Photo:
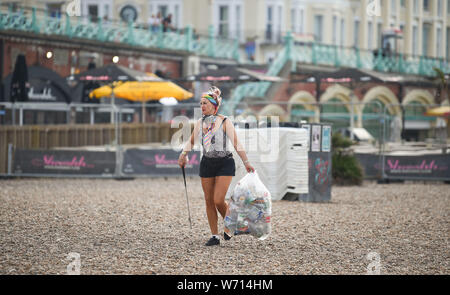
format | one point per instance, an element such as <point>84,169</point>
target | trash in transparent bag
<point>250,208</point>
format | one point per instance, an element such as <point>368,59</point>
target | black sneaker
<point>213,241</point>
<point>226,236</point>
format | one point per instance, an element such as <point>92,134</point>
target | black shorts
<point>212,167</point>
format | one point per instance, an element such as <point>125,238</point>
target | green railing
<point>41,22</point>
<point>331,55</point>
<point>259,89</point>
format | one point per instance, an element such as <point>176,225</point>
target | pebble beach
<point>141,226</point>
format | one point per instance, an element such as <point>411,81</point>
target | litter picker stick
<point>187,200</point>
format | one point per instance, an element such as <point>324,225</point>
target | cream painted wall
<point>197,13</point>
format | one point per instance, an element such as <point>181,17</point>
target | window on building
<point>426,5</point>
<point>356,34</point>
<point>447,52</point>
<point>238,22</point>
<point>439,7</point>
<point>439,42</point>
<point>293,20</point>
<point>393,6</point>
<point>370,36</point>
<point>13,6</point>
<point>402,3</point>
<point>342,32</point>
<point>425,38</point>
<point>280,17</point>
<point>318,28</point>
<point>415,38</point>
<point>163,10</point>
<point>106,12</point>
<point>335,30</point>
<point>223,21</point>
<point>93,12</point>
<point>448,6</point>
<point>269,23</point>
<point>54,10</point>
<point>416,6</point>
<point>301,30</point>
<point>379,32</point>
<point>176,16</point>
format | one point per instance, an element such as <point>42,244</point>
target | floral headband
<point>215,102</point>
<point>211,99</point>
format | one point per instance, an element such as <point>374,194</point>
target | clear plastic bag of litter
<point>250,208</point>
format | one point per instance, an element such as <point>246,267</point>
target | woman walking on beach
<point>217,165</point>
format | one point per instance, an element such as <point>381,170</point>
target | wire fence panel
<point>382,130</point>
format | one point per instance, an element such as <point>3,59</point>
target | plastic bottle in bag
<point>250,208</point>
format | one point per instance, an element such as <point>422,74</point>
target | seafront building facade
<point>423,26</point>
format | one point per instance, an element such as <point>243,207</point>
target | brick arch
<point>273,110</point>
<point>342,93</point>
<point>422,96</point>
<point>307,100</point>
<point>386,96</point>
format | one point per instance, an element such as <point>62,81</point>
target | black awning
<point>45,85</point>
<point>343,75</point>
<point>233,74</point>
<point>111,73</point>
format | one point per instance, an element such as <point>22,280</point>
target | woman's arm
<point>231,133</point>
<point>189,144</point>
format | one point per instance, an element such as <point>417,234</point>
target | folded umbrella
<point>442,111</point>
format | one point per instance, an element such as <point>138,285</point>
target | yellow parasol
<point>142,91</point>
<point>104,91</point>
<point>442,111</point>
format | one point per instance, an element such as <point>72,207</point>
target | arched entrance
<point>381,109</point>
<point>273,110</point>
<point>248,115</point>
<point>335,107</point>
<point>302,106</point>
<point>417,126</point>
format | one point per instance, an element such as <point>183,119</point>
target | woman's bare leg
<point>208,189</point>
<point>220,191</point>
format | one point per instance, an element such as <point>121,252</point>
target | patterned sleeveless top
<point>214,142</point>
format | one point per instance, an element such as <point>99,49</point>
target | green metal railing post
<point>100,32</point>
<point>313,53</point>
<point>46,20</point>
<point>401,65</point>
<point>236,49</point>
<point>336,57</point>
<point>1,22</point>
<point>130,36</point>
<point>358,58</point>
<point>421,65</point>
<point>34,25</point>
<point>2,26</point>
<point>288,43</point>
<point>188,40</point>
<point>289,49</point>
<point>379,60</point>
<point>68,28</point>
<point>159,40</point>
<point>441,65</point>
